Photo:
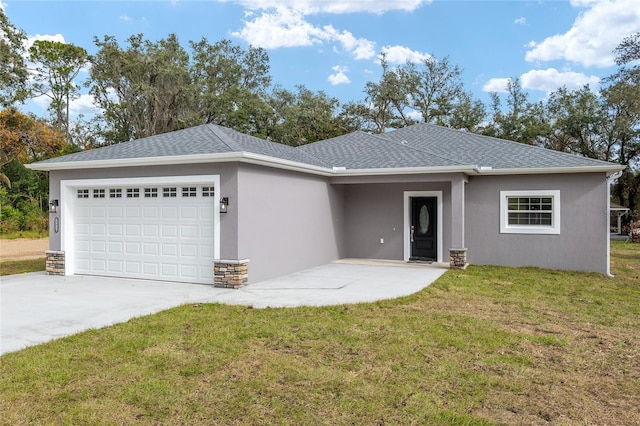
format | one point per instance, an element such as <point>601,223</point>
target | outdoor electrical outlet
<point>381,240</point>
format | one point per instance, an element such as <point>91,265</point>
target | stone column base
<point>458,258</point>
<point>55,262</point>
<point>230,273</point>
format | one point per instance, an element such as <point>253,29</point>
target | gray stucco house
<point>172,206</point>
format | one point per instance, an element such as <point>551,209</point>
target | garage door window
<point>207,191</point>
<point>151,193</point>
<point>98,193</point>
<point>189,191</point>
<point>169,192</point>
<point>83,193</point>
<point>133,192</point>
<point>115,193</point>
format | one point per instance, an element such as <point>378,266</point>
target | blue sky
<point>334,45</point>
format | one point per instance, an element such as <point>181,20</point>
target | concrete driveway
<point>37,308</point>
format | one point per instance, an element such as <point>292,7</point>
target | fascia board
<point>609,169</point>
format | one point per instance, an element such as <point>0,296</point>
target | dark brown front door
<point>423,229</point>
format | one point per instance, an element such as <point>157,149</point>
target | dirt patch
<point>23,248</point>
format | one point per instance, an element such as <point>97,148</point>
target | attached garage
<point>152,228</point>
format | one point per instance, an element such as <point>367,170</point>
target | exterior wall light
<point>224,204</point>
<point>53,206</point>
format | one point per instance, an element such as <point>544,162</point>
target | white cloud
<point>84,104</point>
<point>551,79</point>
<point>498,85</point>
<point>3,6</point>
<point>288,28</point>
<point>340,76</point>
<point>309,7</point>
<point>593,36</point>
<point>520,21</point>
<point>125,18</point>
<point>402,55</point>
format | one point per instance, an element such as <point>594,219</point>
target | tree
<point>231,84</point>
<point>57,66</point>
<point>144,89</point>
<point>13,71</point>
<point>25,138</point>
<point>578,123</point>
<point>522,122</point>
<point>621,96</point>
<point>434,87</point>
<point>303,117</point>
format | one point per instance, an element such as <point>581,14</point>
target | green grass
<point>10,267</point>
<point>487,345</point>
<point>24,234</point>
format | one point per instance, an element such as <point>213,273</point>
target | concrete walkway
<point>36,308</point>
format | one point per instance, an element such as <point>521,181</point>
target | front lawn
<point>10,267</point>
<point>488,345</point>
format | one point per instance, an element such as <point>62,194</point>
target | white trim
<point>505,228</point>
<point>407,220</point>
<point>265,160</point>
<point>68,197</point>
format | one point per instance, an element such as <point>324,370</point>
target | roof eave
<point>605,168</point>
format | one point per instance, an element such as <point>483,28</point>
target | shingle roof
<point>420,145</point>
<point>484,151</point>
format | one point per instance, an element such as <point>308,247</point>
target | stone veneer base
<point>458,258</point>
<point>230,273</point>
<point>55,262</point>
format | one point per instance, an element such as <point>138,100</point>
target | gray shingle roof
<point>484,151</point>
<point>420,145</point>
<point>361,150</point>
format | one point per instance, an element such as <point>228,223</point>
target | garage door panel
<point>132,267</point>
<point>150,230</point>
<point>169,250</point>
<point>150,249</point>
<point>115,247</point>
<point>98,229</point>
<point>188,231</point>
<point>154,237</point>
<point>115,212</point>
<point>170,212</point>
<point>169,231</point>
<point>132,230</point>
<point>132,212</point>
<point>115,266</point>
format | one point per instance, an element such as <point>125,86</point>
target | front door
<point>423,235</point>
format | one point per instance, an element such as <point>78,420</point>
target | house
<point>171,206</point>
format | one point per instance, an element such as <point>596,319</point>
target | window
<point>207,191</point>
<point>169,192</point>
<point>530,212</point>
<point>189,191</point>
<point>98,193</point>
<point>151,193</point>
<point>133,192</point>
<point>83,193</point>
<point>115,193</point>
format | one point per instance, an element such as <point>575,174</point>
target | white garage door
<point>159,232</point>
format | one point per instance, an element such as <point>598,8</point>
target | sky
<point>335,45</point>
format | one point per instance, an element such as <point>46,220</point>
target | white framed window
<point>115,193</point>
<point>208,191</point>
<point>189,191</point>
<point>530,212</point>
<point>133,192</point>
<point>83,193</point>
<point>169,192</point>
<point>98,193</point>
<point>151,193</point>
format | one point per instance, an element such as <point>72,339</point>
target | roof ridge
<point>224,138</point>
